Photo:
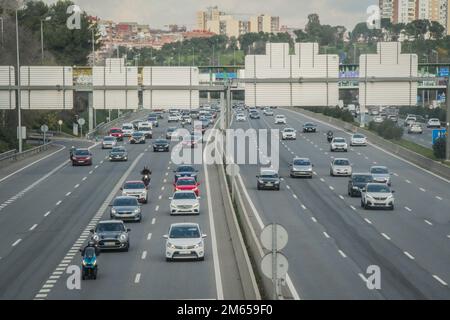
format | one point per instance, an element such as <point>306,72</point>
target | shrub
<point>387,129</point>
<point>439,147</point>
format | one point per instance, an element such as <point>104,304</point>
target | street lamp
<point>42,36</point>
<point>1,26</point>
<point>19,114</point>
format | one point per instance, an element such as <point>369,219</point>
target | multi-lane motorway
<point>332,240</point>
<point>48,209</point>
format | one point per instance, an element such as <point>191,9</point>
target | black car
<point>137,137</point>
<point>185,171</point>
<point>254,115</point>
<point>169,132</point>
<point>118,154</point>
<point>357,182</point>
<point>309,127</point>
<point>161,145</point>
<point>268,179</point>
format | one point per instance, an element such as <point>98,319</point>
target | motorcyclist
<point>329,136</point>
<point>72,152</point>
<point>91,244</point>
<point>146,172</point>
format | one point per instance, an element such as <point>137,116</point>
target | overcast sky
<point>293,13</point>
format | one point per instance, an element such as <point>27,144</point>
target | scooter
<point>89,264</point>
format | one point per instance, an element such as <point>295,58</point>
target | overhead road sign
<point>46,88</point>
<point>7,95</point>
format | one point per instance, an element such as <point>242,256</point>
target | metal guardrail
<point>20,155</point>
<point>7,154</point>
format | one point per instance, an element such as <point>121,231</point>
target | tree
<point>439,147</point>
<point>436,30</point>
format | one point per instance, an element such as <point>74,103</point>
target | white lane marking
<point>17,242</point>
<point>322,179</point>
<point>326,235</point>
<point>167,173</point>
<point>340,196</point>
<point>153,220</point>
<point>368,221</point>
<point>76,186</point>
<point>84,179</point>
<point>33,163</point>
<point>342,254</point>
<point>408,209</point>
<point>407,181</point>
<point>96,167</point>
<point>303,207</point>
<point>353,208</point>
<point>47,213</point>
<point>162,188</point>
<point>68,194</point>
<point>58,203</point>
<point>331,188</point>
<point>408,255</point>
<point>156,208</point>
<point>144,255</point>
<point>428,222</point>
<point>90,172</point>
<point>439,198</point>
<point>101,162</point>
<point>288,187</point>
<point>33,227</point>
<point>149,236</point>
<point>295,196</point>
<point>137,279</point>
<point>422,189</point>
<point>165,180</point>
<point>160,197</point>
<point>396,174</point>
<point>367,158</point>
<point>386,236</point>
<point>440,280</point>
<point>314,219</point>
<point>362,277</point>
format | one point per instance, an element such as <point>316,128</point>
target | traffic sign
<point>44,128</point>
<point>282,265</point>
<point>267,239</point>
<point>438,133</point>
<point>81,121</point>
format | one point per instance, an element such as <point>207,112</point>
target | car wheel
<point>349,193</point>
<point>366,206</point>
<point>201,259</point>
<point>362,204</point>
<point>391,208</point>
<point>168,259</point>
<point>331,173</point>
<point>258,187</point>
<point>127,248</point>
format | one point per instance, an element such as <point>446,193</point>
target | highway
<point>332,240</point>
<point>48,208</point>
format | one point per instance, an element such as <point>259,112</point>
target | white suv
<point>135,189</point>
<point>434,123</point>
<point>280,119</point>
<point>184,202</point>
<point>339,143</point>
<point>377,195</point>
<point>185,241</point>
<point>288,133</point>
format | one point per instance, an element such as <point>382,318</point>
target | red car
<point>187,184</point>
<point>82,157</point>
<point>116,132</point>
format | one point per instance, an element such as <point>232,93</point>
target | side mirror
<point>128,230</point>
<point>165,236</point>
<point>204,235</point>
<point>363,189</point>
<point>91,231</point>
<point>393,191</point>
<point>199,197</point>
<point>121,188</point>
<point>170,198</point>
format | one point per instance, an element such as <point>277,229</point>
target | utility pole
<point>1,26</point>
<point>19,115</point>
<point>42,37</point>
<point>447,124</point>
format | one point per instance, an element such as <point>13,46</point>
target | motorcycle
<point>89,264</point>
<point>146,179</point>
<point>329,138</point>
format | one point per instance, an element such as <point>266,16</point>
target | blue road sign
<point>438,133</point>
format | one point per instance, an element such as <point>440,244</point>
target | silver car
<point>377,195</point>
<point>109,142</point>
<point>340,167</point>
<point>111,235</point>
<point>136,189</point>
<point>381,174</point>
<point>184,202</point>
<point>301,167</point>
<point>338,143</point>
<point>126,208</point>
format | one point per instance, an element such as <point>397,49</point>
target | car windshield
<point>341,162</point>
<point>362,178</point>
<point>269,175</point>
<point>379,170</point>
<point>159,141</point>
<point>309,125</point>
<point>137,134</point>
<point>185,169</point>
<point>288,130</point>
<point>127,127</point>
<point>82,153</point>
<point>145,129</point>
<point>134,185</point>
<point>89,252</point>
<point>185,182</point>
<point>280,116</point>
<point>122,202</point>
<point>110,227</point>
<point>358,136</point>
<point>302,162</point>
<point>116,131</point>
<point>171,129</point>
<point>109,139</point>
<point>153,118</point>
<point>339,140</point>
<point>378,188</point>
<point>118,150</point>
<point>184,196</point>
<point>183,232</point>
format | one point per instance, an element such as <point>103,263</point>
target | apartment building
<point>264,23</point>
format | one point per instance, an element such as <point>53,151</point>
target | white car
<point>185,241</point>
<point>339,143</point>
<point>135,189</point>
<point>358,139</point>
<point>434,123</point>
<point>268,112</point>
<point>127,129</point>
<point>174,117</point>
<point>410,120</point>
<point>288,133</point>
<point>374,112</point>
<point>340,167</point>
<point>378,119</point>
<point>109,142</point>
<point>184,202</point>
<point>187,119</point>
<point>280,119</point>
<point>377,195</point>
<point>415,128</point>
<point>241,117</point>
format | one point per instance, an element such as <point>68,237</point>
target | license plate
<point>110,244</point>
<point>185,252</point>
<point>80,161</point>
<point>269,184</point>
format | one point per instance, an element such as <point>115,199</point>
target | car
<point>184,202</point>
<point>174,117</point>
<point>410,119</point>
<point>187,119</point>
<point>190,142</point>
<point>209,119</point>
<point>288,134</point>
<point>340,167</point>
<point>268,179</point>
<point>127,129</point>
<point>118,154</point>
<point>434,123</point>
<point>393,118</point>
<point>82,157</point>
<point>358,139</point>
<point>194,114</point>
<point>137,137</point>
<point>415,128</point>
<point>268,112</point>
<point>153,119</point>
<point>338,144</point>
<point>374,112</point>
<point>117,133</point>
<point>109,142</point>
<point>185,171</point>
<point>240,117</point>
<point>309,127</point>
<point>111,235</point>
<point>301,167</point>
<point>377,195</point>
<point>185,241</point>
<point>147,131</point>
<point>251,109</point>
<point>125,209</point>
<point>380,174</point>
<point>160,114</point>
<point>135,189</point>
<point>280,118</point>
<point>170,132</point>
<point>357,182</point>
<point>254,115</point>
<point>161,145</point>
<point>378,119</point>
<point>187,184</point>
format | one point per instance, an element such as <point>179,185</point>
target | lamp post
<point>19,114</point>
<point>42,36</point>
<point>1,26</point>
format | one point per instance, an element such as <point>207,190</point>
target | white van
<point>127,129</point>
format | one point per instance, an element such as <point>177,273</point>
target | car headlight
<point>123,237</point>
<point>369,196</point>
<point>170,245</point>
<point>173,206</point>
<point>198,245</point>
<point>113,211</point>
<point>260,181</point>
<point>196,205</point>
<point>96,237</point>
<point>137,210</point>
<point>309,169</point>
